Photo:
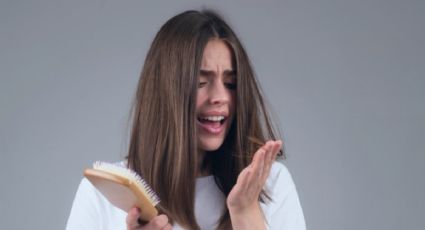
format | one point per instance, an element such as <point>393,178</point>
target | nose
<point>219,94</point>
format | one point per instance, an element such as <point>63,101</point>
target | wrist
<point>247,218</point>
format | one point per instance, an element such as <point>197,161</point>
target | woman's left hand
<point>242,201</point>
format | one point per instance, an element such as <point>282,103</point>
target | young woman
<point>198,119</point>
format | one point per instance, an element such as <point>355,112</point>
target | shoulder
<point>91,210</point>
<point>86,187</point>
<point>284,210</point>
<point>85,209</point>
<point>279,179</point>
<point>86,193</point>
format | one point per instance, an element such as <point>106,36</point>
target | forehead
<point>217,54</point>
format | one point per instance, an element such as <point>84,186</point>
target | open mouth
<point>212,124</point>
<point>212,119</point>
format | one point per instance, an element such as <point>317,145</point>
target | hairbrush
<point>124,188</point>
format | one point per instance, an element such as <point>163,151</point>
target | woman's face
<point>215,105</point>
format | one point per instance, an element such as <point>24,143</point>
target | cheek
<point>200,98</point>
<point>233,101</point>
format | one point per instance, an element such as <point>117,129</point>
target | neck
<point>203,167</point>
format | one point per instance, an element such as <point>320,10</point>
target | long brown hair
<point>163,143</point>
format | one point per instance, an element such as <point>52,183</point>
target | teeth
<point>213,118</point>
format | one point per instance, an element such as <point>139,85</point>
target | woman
<point>198,117</point>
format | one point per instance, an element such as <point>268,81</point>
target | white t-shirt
<point>92,211</point>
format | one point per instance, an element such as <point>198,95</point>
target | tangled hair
<point>163,142</point>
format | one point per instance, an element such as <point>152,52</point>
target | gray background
<point>346,81</point>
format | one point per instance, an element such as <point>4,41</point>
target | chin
<point>210,145</point>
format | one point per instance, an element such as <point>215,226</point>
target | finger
<point>239,190</point>
<point>267,161</point>
<point>269,150</point>
<point>242,182</point>
<point>253,183</point>
<point>158,222</point>
<point>258,162</point>
<point>274,149</point>
<point>278,146</point>
<point>248,174</point>
<point>167,227</point>
<point>132,217</point>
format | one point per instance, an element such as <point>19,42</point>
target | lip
<point>214,113</point>
<point>210,130</point>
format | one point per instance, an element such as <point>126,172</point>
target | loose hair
<point>163,142</point>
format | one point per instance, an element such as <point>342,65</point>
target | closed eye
<point>202,84</point>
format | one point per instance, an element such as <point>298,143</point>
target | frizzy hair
<point>163,142</point>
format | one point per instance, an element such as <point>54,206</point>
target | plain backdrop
<point>345,79</point>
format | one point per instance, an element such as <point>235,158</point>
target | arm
<point>89,213</point>
<point>242,202</point>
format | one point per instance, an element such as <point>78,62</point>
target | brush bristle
<point>131,175</point>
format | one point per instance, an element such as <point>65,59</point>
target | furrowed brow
<point>229,72</point>
<point>206,73</point>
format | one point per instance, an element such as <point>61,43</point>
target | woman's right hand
<point>159,222</point>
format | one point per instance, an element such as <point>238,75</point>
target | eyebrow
<point>208,73</point>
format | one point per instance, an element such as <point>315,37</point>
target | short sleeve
<point>85,211</point>
<point>284,212</point>
<point>91,210</point>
